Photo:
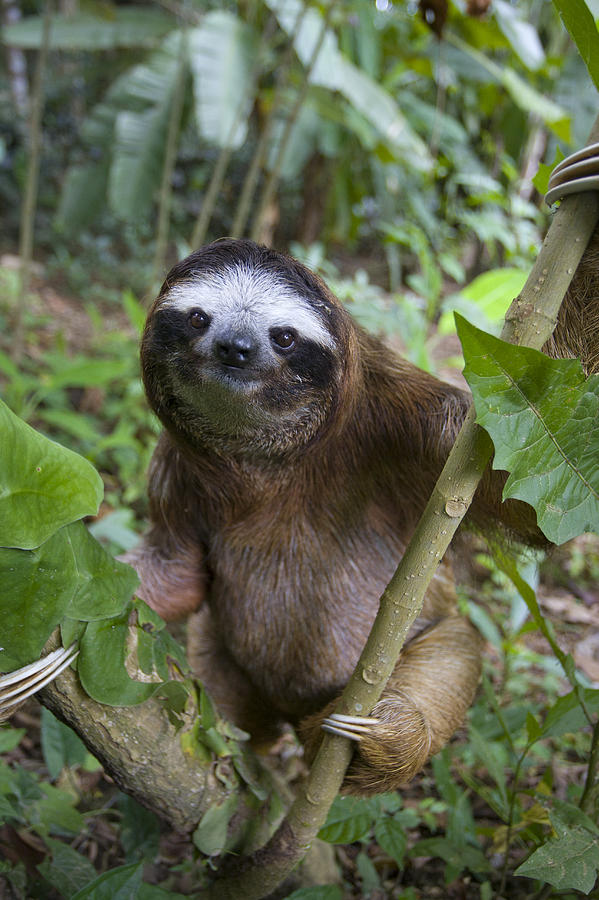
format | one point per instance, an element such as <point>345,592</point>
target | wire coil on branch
<point>575,174</point>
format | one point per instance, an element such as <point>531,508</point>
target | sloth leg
<point>424,702</point>
<point>234,695</point>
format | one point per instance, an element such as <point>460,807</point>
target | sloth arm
<point>171,577</point>
<point>425,701</point>
<point>169,560</point>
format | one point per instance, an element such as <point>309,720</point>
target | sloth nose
<point>236,350</point>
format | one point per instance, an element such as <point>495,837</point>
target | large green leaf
<point>391,837</point>
<point>69,576</point>
<point>121,27</point>
<point>523,37</point>
<point>522,93</point>
<point>43,486</point>
<point>140,137</point>
<point>579,21</point>
<point>121,883</point>
<point>101,664</point>
<point>68,871</point>
<point>222,52</point>
<point>336,72</point>
<point>128,128</point>
<point>210,837</point>
<point>487,298</point>
<point>543,418</point>
<point>61,746</point>
<point>569,861</point>
<point>349,819</point>
<point>458,856</point>
<point>83,195</point>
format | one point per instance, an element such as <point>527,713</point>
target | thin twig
<point>589,799</point>
<point>272,181</point>
<point>33,167</point>
<point>170,158</point>
<point>201,227</point>
<point>260,153</point>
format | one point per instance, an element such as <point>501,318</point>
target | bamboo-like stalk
<point>170,158</point>
<point>15,64</point>
<point>272,181</point>
<point>589,802</point>
<point>201,226</point>
<point>31,184</point>
<point>530,322</point>
<point>259,158</point>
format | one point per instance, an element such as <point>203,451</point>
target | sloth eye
<point>283,338</point>
<point>199,319</point>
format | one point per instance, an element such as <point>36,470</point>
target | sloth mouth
<point>233,378</point>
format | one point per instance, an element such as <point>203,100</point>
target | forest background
<point>391,146</point>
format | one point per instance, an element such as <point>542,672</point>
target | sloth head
<point>245,349</point>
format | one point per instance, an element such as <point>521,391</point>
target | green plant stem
<point>170,157</point>
<point>259,158</point>
<point>589,802</point>
<point>182,11</point>
<point>530,321</point>
<point>201,226</point>
<point>543,893</point>
<point>31,184</point>
<point>510,821</point>
<point>272,181</point>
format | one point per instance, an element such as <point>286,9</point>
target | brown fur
<point>284,538</point>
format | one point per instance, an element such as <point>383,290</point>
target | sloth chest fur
<point>294,614</point>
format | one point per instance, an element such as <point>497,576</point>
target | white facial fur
<point>248,298</point>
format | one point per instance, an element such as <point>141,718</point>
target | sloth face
<point>242,327</point>
<point>241,338</point>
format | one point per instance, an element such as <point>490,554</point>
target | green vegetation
<point>399,165</point>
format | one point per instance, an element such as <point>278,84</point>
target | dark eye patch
<point>170,329</point>
<point>313,362</point>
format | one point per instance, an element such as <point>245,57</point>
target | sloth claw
<point>352,727</point>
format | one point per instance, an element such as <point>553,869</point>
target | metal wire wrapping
<point>575,174</point>
<point>17,686</point>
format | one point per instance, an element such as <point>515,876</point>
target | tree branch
<point>142,751</point>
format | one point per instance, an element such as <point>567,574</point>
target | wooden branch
<point>141,750</point>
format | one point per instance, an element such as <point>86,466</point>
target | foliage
<point>63,577</point>
<point>396,153</point>
<point>542,417</point>
<point>36,498</point>
<point>106,29</point>
<point>49,812</point>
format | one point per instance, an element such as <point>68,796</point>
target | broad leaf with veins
<point>543,417</point>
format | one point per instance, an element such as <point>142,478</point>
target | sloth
<point>297,454</point>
